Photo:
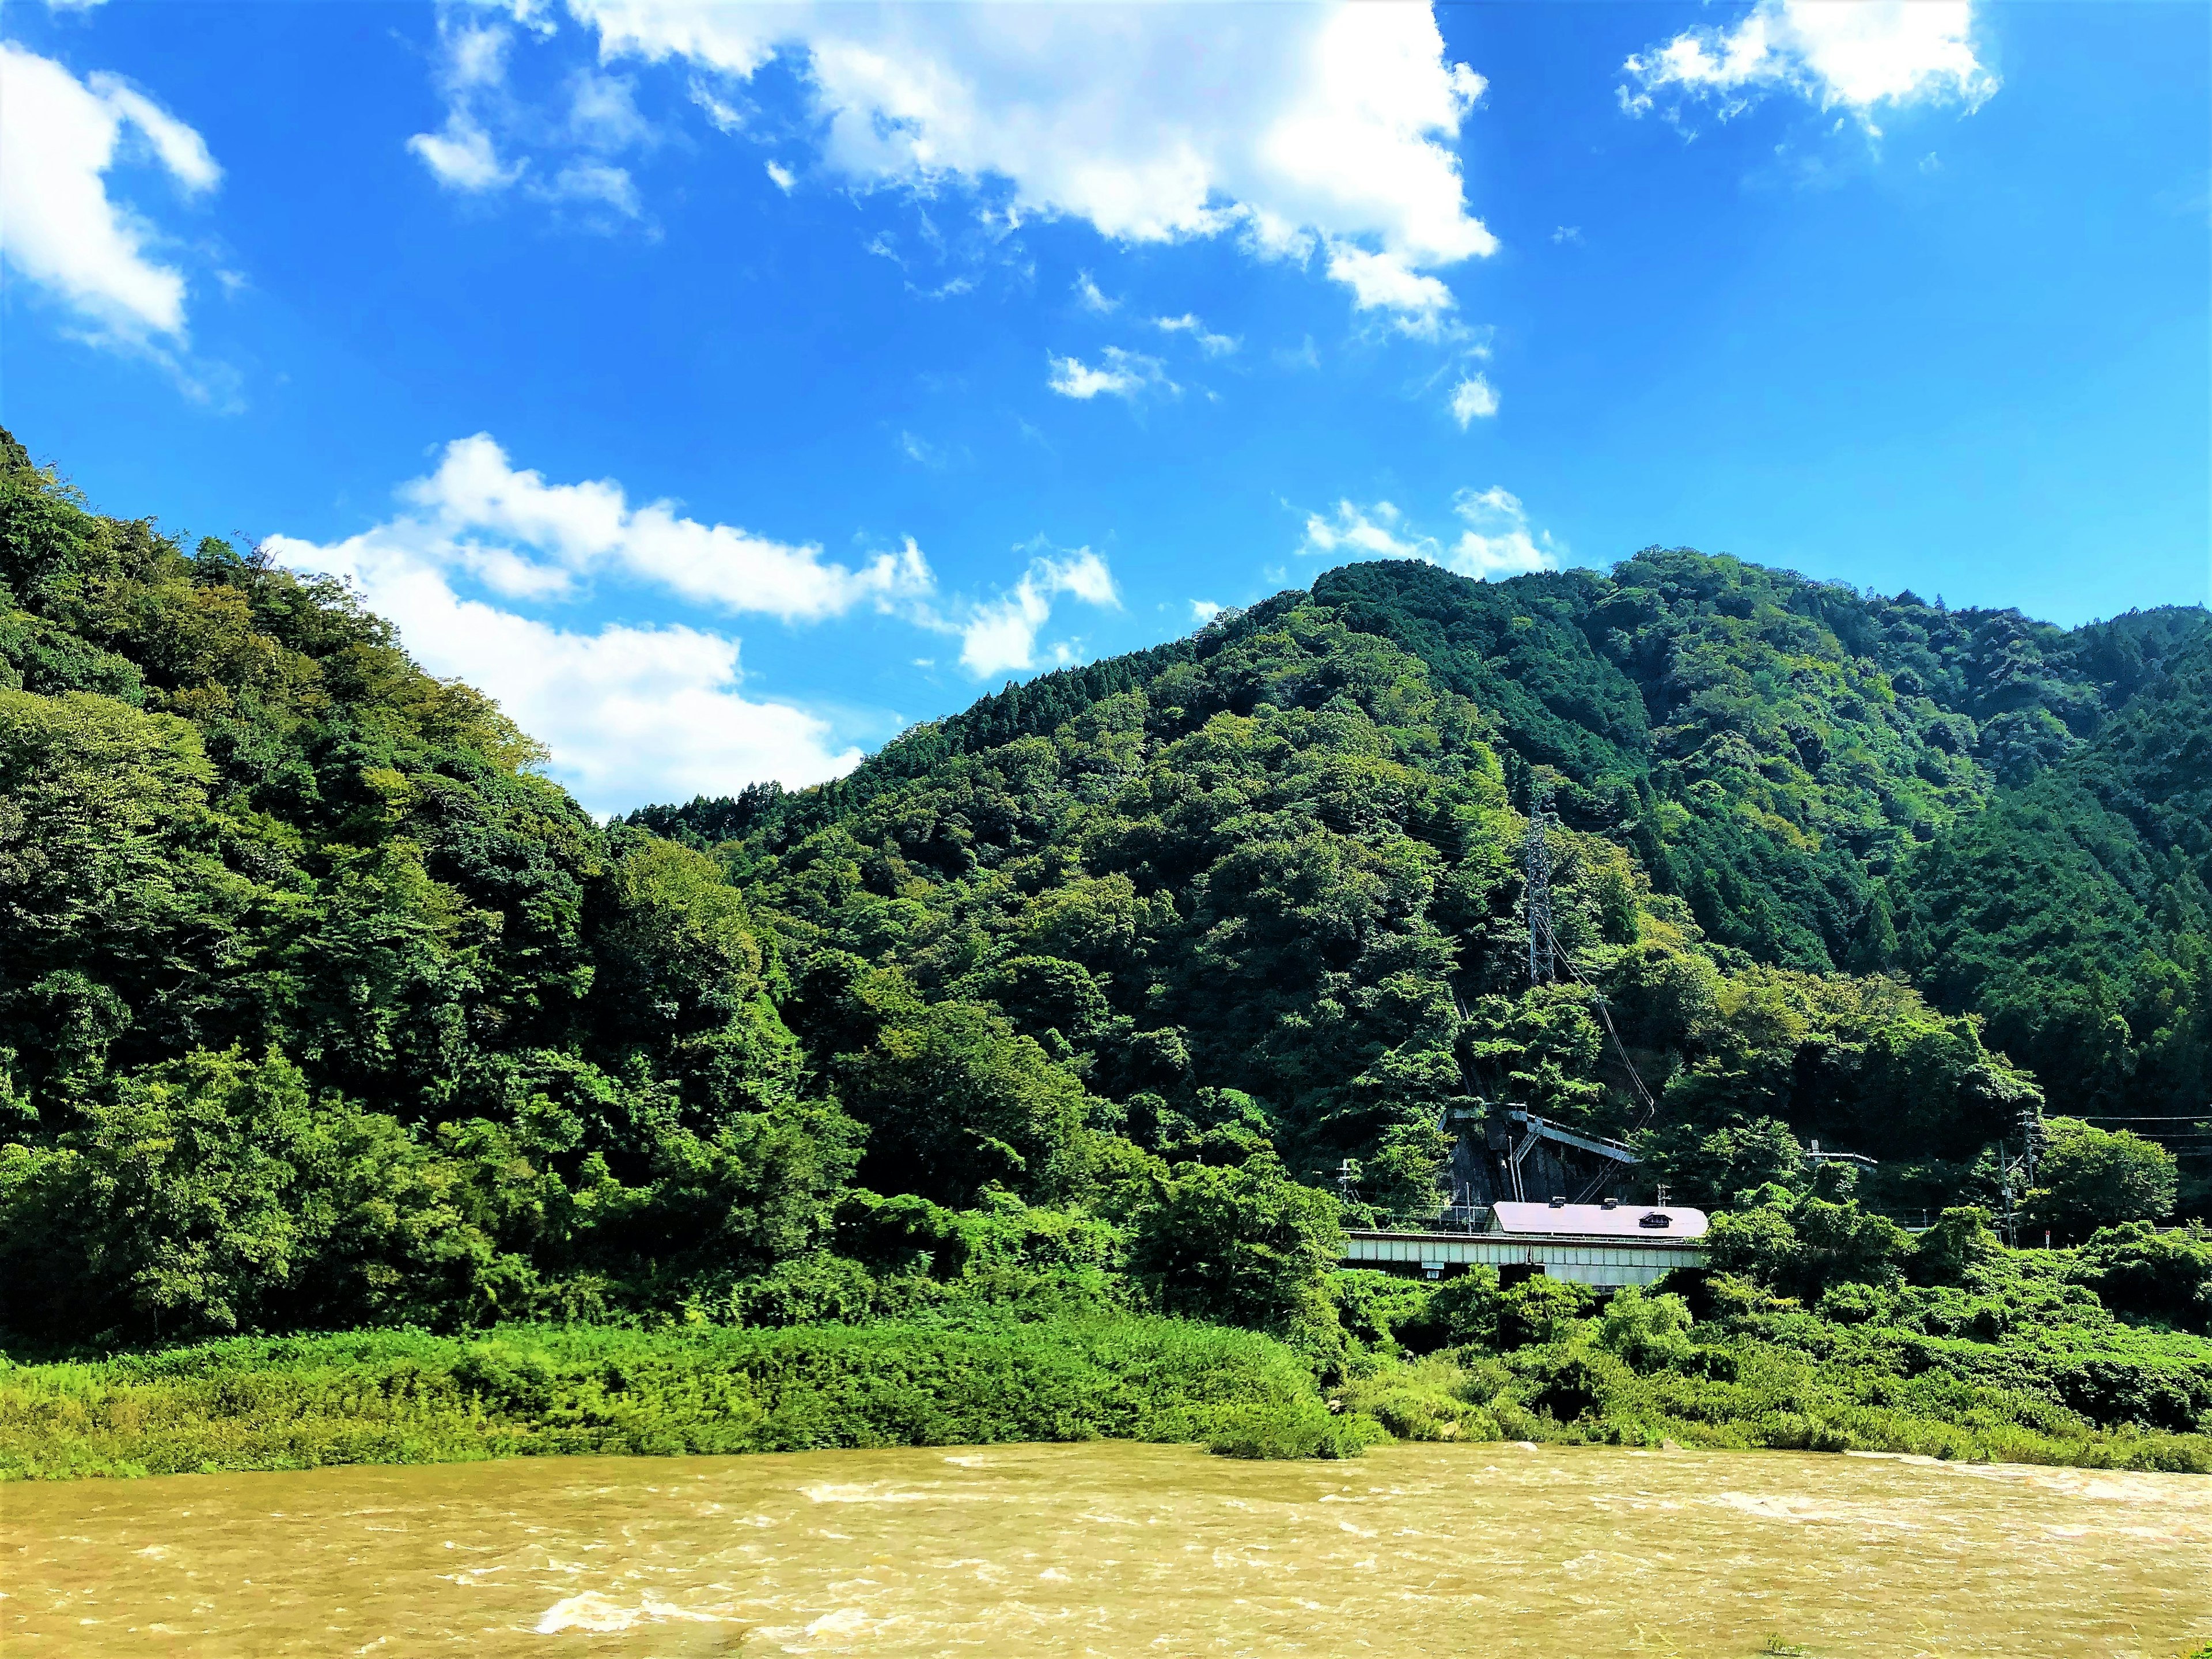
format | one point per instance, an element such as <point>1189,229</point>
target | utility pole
<point>1541,968</point>
<point>2031,1137</point>
<point>2008,1224</point>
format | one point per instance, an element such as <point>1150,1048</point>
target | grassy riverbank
<point>1633,1377</point>
<point>405,1396</point>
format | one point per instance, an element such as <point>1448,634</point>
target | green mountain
<point>320,1006</point>
<point>1805,831</point>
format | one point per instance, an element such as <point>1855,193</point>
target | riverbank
<point>407,1397</point>
<point>411,1397</point>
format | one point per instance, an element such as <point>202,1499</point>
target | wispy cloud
<point>59,139</point>
<point>523,536</point>
<point>1121,374</point>
<point>1368,533</point>
<point>1495,538</point>
<point>1091,297</point>
<point>1212,344</point>
<point>1473,399</point>
<point>1338,132</point>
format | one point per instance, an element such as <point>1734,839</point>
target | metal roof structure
<point>1648,1222</point>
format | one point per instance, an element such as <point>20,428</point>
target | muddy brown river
<point>1113,1549</point>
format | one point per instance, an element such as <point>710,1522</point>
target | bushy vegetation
<point>1821,1329</point>
<point>407,1396</point>
<point>1952,1347</point>
<point>322,1008</point>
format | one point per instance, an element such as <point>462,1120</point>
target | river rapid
<point>1111,1549</point>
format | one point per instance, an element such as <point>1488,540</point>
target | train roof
<point>1646,1221</point>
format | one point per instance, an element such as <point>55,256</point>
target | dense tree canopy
<point>321,1004</point>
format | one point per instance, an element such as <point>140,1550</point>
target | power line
<point>1635,1077</point>
<point>2140,1117</point>
<point>1541,945</point>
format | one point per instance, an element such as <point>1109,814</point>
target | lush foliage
<point>1821,1328</point>
<point>404,1396</point>
<point>321,1007</point>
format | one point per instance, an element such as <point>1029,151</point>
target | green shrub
<point>1381,1310</point>
<point>1542,1309</point>
<point>410,1397</point>
<point>1646,1331</point>
<point>1462,1308</point>
<point>1299,1429</point>
<point>1432,1398</point>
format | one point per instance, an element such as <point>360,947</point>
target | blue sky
<point>725,388</point>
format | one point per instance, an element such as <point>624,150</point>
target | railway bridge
<point>1605,1246</point>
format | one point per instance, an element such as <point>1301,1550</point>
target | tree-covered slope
<point>319,1004</point>
<point>1293,841</point>
<point>2075,913</point>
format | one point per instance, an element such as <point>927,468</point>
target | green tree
<point>1801,1245</point>
<point>954,1099</point>
<point>1959,1242</point>
<point>2090,1177</point>
<point>1242,1243</point>
<point>2160,1275</point>
<point>172,1211</point>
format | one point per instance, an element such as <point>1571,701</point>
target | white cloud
<point>59,139</point>
<point>999,635</point>
<point>1856,55</point>
<point>461,156</point>
<point>1125,375</point>
<point>603,113</point>
<point>636,714</point>
<point>521,536</point>
<point>1383,281</point>
<point>1321,125</point>
<point>1212,344</point>
<point>596,183</point>
<point>1091,297</point>
<point>723,114</point>
<point>936,456</point>
<point>601,120</point>
<point>1372,532</point>
<point>1203,611</point>
<point>182,151</point>
<point>628,714</point>
<point>1498,541</point>
<point>1495,540</point>
<point>471,67</point>
<point>1473,399</point>
<point>782,177</point>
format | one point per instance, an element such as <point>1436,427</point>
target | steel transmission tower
<point>1542,969</point>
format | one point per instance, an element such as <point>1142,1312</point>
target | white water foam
<point>603,1615</point>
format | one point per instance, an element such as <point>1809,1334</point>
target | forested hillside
<point>320,1006</point>
<point>1806,831</point>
